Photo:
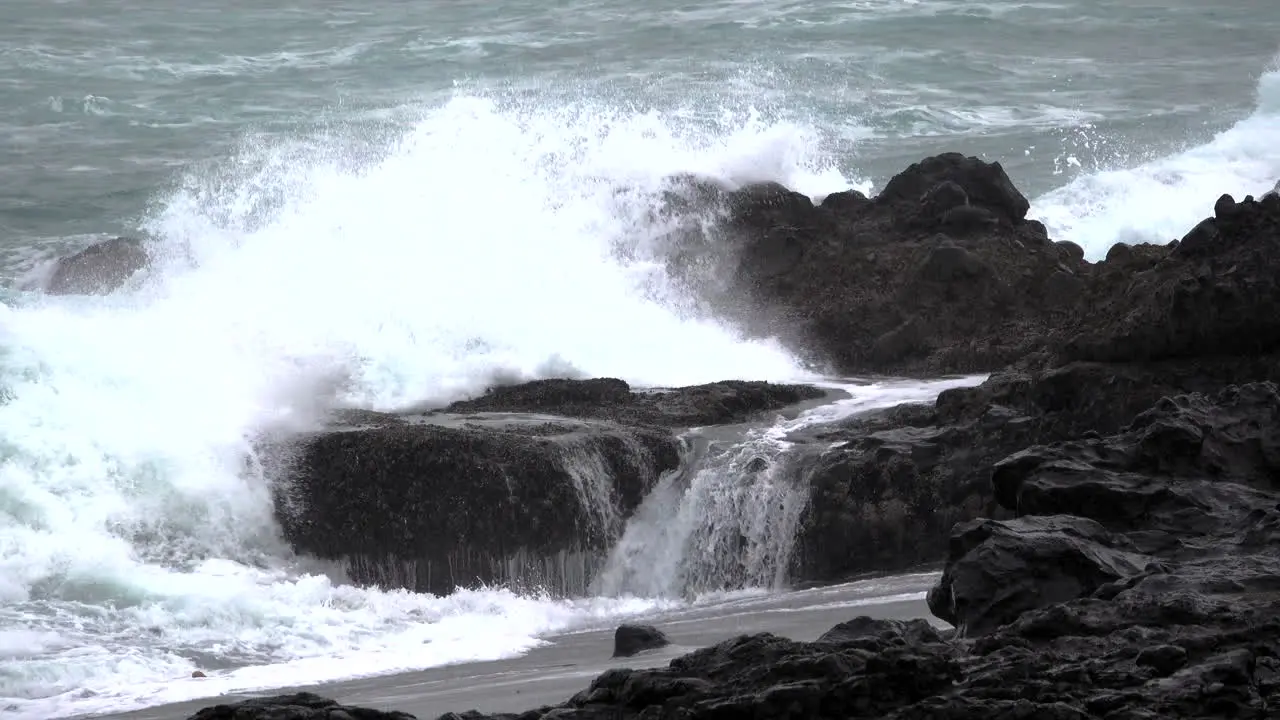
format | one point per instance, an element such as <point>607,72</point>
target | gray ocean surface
<point>103,104</point>
<point>383,204</point>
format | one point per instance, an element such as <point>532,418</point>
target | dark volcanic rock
<point>943,273</point>
<point>963,180</point>
<point>721,403</point>
<point>939,273</point>
<point>526,485</point>
<point>433,508</point>
<point>299,706</point>
<point>631,639</point>
<point>1216,292</point>
<point>1145,583</point>
<point>887,493</point>
<point>1184,499</point>
<point>99,268</point>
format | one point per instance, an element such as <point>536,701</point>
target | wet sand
<point>554,672</point>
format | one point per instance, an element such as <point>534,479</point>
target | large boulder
<point>526,485</point>
<point>433,508</point>
<point>1215,292</point>
<point>942,273</point>
<point>939,273</point>
<point>99,268</point>
<point>1183,499</point>
<point>296,706</point>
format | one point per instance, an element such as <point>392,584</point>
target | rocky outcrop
<point>1183,500</point>
<point>1215,292</point>
<point>1139,580</point>
<point>1192,317</point>
<point>1114,485</point>
<point>99,268</point>
<point>433,508</point>
<point>888,487</point>
<point>527,485</point>
<point>629,640</point>
<point>298,706</point>
<point>942,273</point>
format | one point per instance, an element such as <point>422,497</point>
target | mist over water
<point>412,252</point>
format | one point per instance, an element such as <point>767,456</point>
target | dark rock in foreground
<point>526,485</point>
<point>99,268</point>
<point>631,639</point>
<point>298,706</point>
<point>1184,500</point>
<point>1141,580</point>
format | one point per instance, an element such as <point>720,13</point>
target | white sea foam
<point>1161,200</point>
<point>137,541</point>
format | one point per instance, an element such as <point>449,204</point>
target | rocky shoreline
<point>1107,502</point>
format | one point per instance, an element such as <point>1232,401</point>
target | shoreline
<point>568,660</point>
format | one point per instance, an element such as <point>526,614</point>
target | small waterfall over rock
<point>726,520</point>
<point>730,516</point>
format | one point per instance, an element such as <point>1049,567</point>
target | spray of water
<point>137,539</point>
<point>1161,200</point>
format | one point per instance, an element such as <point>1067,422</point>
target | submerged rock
<point>631,639</point>
<point>99,268</point>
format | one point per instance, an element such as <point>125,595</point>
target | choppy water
<point>385,203</point>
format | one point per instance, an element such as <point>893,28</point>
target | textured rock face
<point>528,485</point>
<point>1184,499</point>
<point>631,639</point>
<point>298,706</point>
<point>939,273</point>
<point>943,273</point>
<point>99,268</point>
<point>435,508</point>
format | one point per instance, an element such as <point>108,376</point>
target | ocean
<point>385,204</point>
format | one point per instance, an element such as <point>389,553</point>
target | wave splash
<point>1161,200</point>
<point>137,541</point>
<point>136,534</point>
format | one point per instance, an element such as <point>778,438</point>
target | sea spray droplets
<point>480,244</point>
<point>1159,200</point>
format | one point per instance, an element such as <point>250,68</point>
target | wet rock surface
<point>631,639</point>
<point>434,508</point>
<point>526,485</point>
<point>943,273</point>
<point>1107,503</point>
<point>99,268</point>
<point>1140,580</point>
<point>720,403</point>
<point>296,706</point>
